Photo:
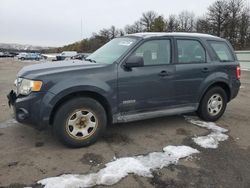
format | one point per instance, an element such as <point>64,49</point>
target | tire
<point>80,122</point>
<point>210,110</point>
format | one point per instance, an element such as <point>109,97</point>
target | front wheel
<point>79,122</point>
<point>213,104</point>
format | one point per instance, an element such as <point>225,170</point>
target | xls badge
<point>129,102</point>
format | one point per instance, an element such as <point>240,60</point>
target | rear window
<point>222,51</point>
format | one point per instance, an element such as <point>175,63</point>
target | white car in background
<point>66,55</point>
<point>29,56</point>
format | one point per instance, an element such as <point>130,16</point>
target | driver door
<point>149,87</point>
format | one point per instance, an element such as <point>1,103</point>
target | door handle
<point>163,73</point>
<point>205,70</point>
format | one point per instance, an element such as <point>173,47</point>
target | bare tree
<point>104,34</point>
<point>229,19</point>
<point>173,24</point>
<point>121,32</point>
<point>203,26</point>
<point>147,19</point>
<point>244,29</point>
<point>216,16</point>
<point>113,32</point>
<point>234,8</point>
<point>138,26</point>
<point>186,21</point>
<point>135,28</point>
<point>110,33</point>
<point>129,29</point>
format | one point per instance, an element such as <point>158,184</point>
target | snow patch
<point>208,125</point>
<point>8,123</point>
<point>114,171</point>
<point>211,140</point>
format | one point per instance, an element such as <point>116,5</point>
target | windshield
<point>112,51</point>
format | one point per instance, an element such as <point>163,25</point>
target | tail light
<point>238,72</point>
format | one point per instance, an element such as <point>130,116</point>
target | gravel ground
<point>28,155</point>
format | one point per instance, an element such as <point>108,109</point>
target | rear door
<point>192,68</point>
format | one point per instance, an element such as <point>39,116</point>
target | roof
<point>173,34</point>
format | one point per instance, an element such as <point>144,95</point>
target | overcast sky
<point>58,22</point>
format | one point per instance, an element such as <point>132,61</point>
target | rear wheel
<point>79,122</point>
<point>213,104</point>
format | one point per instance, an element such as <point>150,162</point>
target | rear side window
<point>222,51</point>
<point>190,51</point>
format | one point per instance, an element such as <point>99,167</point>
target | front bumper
<point>27,108</point>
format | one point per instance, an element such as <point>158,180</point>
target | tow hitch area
<point>11,98</point>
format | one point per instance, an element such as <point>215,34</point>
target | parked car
<point>66,55</point>
<point>7,54</point>
<point>49,57</point>
<point>81,56</point>
<point>130,78</point>
<point>29,56</point>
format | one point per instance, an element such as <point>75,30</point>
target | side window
<point>155,52</point>
<point>222,51</point>
<point>190,51</point>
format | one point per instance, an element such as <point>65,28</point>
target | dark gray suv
<point>130,78</point>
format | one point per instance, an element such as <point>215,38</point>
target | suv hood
<point>55,67</point>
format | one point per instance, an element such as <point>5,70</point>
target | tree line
<point>229,19</point>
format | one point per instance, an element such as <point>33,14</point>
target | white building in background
<point>243,56</point>
<point>244,59</point>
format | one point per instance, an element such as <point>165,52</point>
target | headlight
<point>25,86</point>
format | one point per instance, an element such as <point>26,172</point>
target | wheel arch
<point>221,84</point>
<point>94,95</point>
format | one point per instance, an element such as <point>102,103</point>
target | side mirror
<point>134,61</point>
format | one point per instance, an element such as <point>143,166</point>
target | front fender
<point>67,87</point>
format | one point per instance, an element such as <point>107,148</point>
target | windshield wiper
<point>90,60</point>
